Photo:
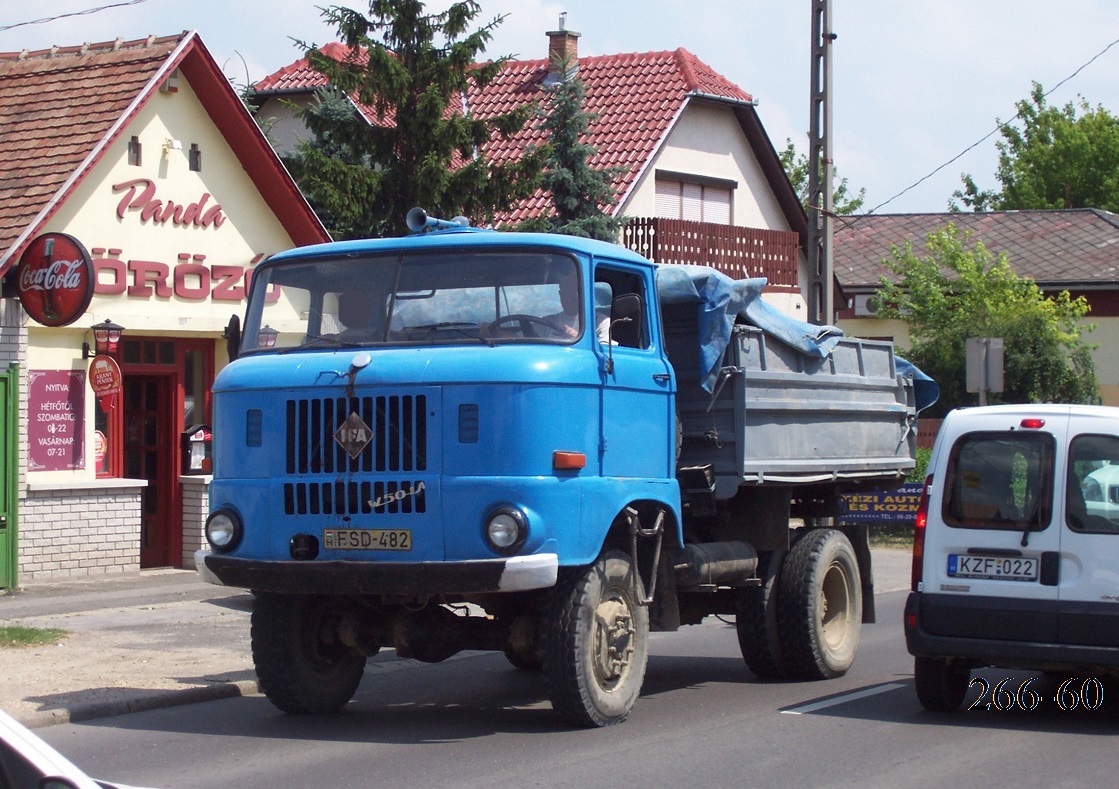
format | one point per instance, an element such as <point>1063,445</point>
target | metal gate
<point>9,474</point>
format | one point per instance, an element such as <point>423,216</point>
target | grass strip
<point>15,636</point>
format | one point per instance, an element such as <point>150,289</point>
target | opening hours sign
<point>56,411</point>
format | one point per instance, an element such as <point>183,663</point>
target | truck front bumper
<point>515,574</point>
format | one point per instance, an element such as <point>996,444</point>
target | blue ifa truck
<point>545,446</point>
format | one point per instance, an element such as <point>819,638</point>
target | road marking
<point>858,694</point>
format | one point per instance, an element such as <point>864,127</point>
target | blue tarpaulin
<point>722,301</point>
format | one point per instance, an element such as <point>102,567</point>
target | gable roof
<point>637,98</point>
<point>1077,248</point>
<point>61,108</point>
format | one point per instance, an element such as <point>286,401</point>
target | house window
<point>134,151</point>
<point>195,158</point>
<point>694,201</point>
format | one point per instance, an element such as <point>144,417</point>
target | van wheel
<point>940,687</point>
<point>756,620</point>
<point>596,642</point>
<point>302,665</point>
<point>819,606</point>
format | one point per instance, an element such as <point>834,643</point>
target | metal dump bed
<point>777,416</point>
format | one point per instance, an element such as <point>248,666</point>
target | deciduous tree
<point>960,289</point>
<point>1051,157</point>
<point>796,167</point>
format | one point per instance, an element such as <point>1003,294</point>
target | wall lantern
<point>266,337</point>
<point>106,338</point>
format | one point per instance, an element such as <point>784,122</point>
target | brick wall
<point>65,532</point>
<point>196,506</point>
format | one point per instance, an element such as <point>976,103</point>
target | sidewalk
<point>139,641</point>
<point>158,638</point>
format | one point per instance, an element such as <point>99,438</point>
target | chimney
<point>563,47</point>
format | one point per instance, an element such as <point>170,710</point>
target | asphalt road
<point>702,721</point>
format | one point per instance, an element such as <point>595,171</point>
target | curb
<point>158,700</point>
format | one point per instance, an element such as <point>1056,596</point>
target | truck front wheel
<point>302,665</point>
<point>819,606</point>
<point>596,642</point>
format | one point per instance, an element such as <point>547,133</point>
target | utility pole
<point>820,204</point>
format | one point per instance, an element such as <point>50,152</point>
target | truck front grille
<point>398,443</point>
<point>355,498</point>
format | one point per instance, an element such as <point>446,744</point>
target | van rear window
<point>1000,480</point>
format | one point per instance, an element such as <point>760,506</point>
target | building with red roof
<point>1074,250</point>
<point>698,178</point>
<point>136,191</point>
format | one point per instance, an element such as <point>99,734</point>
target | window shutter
<point>668,199</point>
<point>716,205</point>
<point>691,207</point>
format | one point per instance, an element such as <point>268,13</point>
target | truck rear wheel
<point>819,606</point>
<point>940,687</point>
<point>302,665</point>
<point>596,642</point>
<point>756,620</point>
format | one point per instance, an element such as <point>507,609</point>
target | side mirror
<point>626,320</point>
<point>232,335</point>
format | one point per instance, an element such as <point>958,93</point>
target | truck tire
<point>819,606</point>
<point>596,642</point>
<point>521,661</point>
<point>940,687</point>
<point>301,665</point>
<point>756,620</point>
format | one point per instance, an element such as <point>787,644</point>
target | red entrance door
<point>150,453</point>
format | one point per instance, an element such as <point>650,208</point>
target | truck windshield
<point>414,299</point>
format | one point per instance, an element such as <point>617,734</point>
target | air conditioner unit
<point>866,304</point>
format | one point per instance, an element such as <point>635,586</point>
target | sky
<point>914,84</point>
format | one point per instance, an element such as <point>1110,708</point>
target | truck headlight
<point>223,530</point>
<point>506,530</point>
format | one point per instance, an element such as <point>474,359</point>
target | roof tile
<point>635,97</point>
<point>1060,247</point>
<point>55,105</point>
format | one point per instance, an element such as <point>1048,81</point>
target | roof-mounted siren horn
<point>418,221</point>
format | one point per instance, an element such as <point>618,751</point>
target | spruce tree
<point>580,193</point>
<point>421,146</point>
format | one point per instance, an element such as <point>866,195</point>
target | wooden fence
<point>738,252</point>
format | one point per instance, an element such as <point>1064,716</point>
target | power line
<point>88,11</point>
<point>987,136</point>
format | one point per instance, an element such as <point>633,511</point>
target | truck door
<point>638,428</point>
<point>1089,585</point>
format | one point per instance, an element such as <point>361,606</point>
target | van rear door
<point>990,569</point>
<point>1089,567</point>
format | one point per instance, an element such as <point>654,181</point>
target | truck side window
<point>1092,485</point>
<point>620,295</point>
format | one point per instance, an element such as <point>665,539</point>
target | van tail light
<point>919,534</point>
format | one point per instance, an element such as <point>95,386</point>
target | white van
<point>1016,550</point>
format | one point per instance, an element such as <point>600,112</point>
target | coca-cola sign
<point>55,279</point>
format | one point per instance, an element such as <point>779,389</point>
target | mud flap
<point>859,535</point>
